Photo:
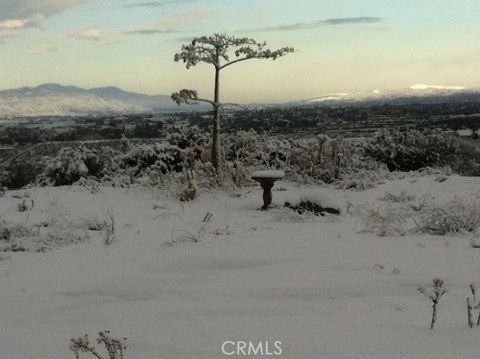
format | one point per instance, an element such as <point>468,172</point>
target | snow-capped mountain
<point>58,100</point>
<point>416,94</point>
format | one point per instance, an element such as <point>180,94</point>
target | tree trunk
<point>434,315</point>
<point>216,144</point>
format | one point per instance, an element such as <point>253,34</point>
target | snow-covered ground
<point>321,287</point>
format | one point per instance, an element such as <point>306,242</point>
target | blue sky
<point>343,46</point>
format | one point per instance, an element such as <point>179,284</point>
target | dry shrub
<point>22,238</point>
<point>400,197</point>
<point>191,191</point>
<point>434,292</point>
<point>362,179</point>
<point>453,217</point>
<point>391,222</point>
<point>410,150</point>
<point>114,347</point>
<point>427,216</point>
<point>91,223</point>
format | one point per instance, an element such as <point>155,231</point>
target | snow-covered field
<point>321,287</point>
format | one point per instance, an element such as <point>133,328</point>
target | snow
<point>268,174</point>
<point>322,288</point>
<point>58,104</point>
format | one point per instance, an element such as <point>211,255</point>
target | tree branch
<point>189,97</point>
<point>235,61</point>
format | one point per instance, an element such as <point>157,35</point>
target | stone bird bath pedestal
<point>266,180</point>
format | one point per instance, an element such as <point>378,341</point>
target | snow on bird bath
<point>266,180</point>
<point>268,174</point>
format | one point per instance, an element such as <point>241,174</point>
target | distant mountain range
<point>418,94</point>
<point>57,100</point>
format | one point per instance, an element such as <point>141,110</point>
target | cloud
<point>352,20</point>
<point>169,23</point>
<point>95,34</point>
<point>162,26</point>
<point>5,34</point>
<point>16,15</point>
<point>13,23</point>
<point>435,87</point>
<point>319,24</point>
<point>151,32</point>
<point>40,49</point>
<point>157,3</point>
<point>34,9</point>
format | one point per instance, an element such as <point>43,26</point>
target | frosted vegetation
<point>346,163</point>
<point>144,240</point>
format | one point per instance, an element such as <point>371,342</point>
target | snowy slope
<point>418,94</point>
<point>58,104</point>
<point>321,287</point>
<point>58,100</point>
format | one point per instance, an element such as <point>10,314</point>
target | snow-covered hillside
<point>58,100</point>
<point>416,94</point>
<point>178,287</point>
<point>58,104</point>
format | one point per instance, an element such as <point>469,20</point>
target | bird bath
<point>267,180</point>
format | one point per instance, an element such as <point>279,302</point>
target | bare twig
<point>469,312</point>
<point>434,293</point>
<point>114,347</point>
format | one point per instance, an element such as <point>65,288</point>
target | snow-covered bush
<point>398,197</point>
<point>425,216</point>
<point>467,166</point>
<point>409,150</point>
<point>316,160</point>
<point>361,179</point>
<point>152,160</point>
<point>247,151</point>
<point>188,137</point>
<point>21,173</point>
<point>9,231</point>
<point>388,222</point>
<point>3,181</point>
<point>22,238</point>
<point>357,171</point>
<point>190,192</point>
<point>452,217</point>
<point>328,160</point>
<point>73,163</point>
<point>257,150</point>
